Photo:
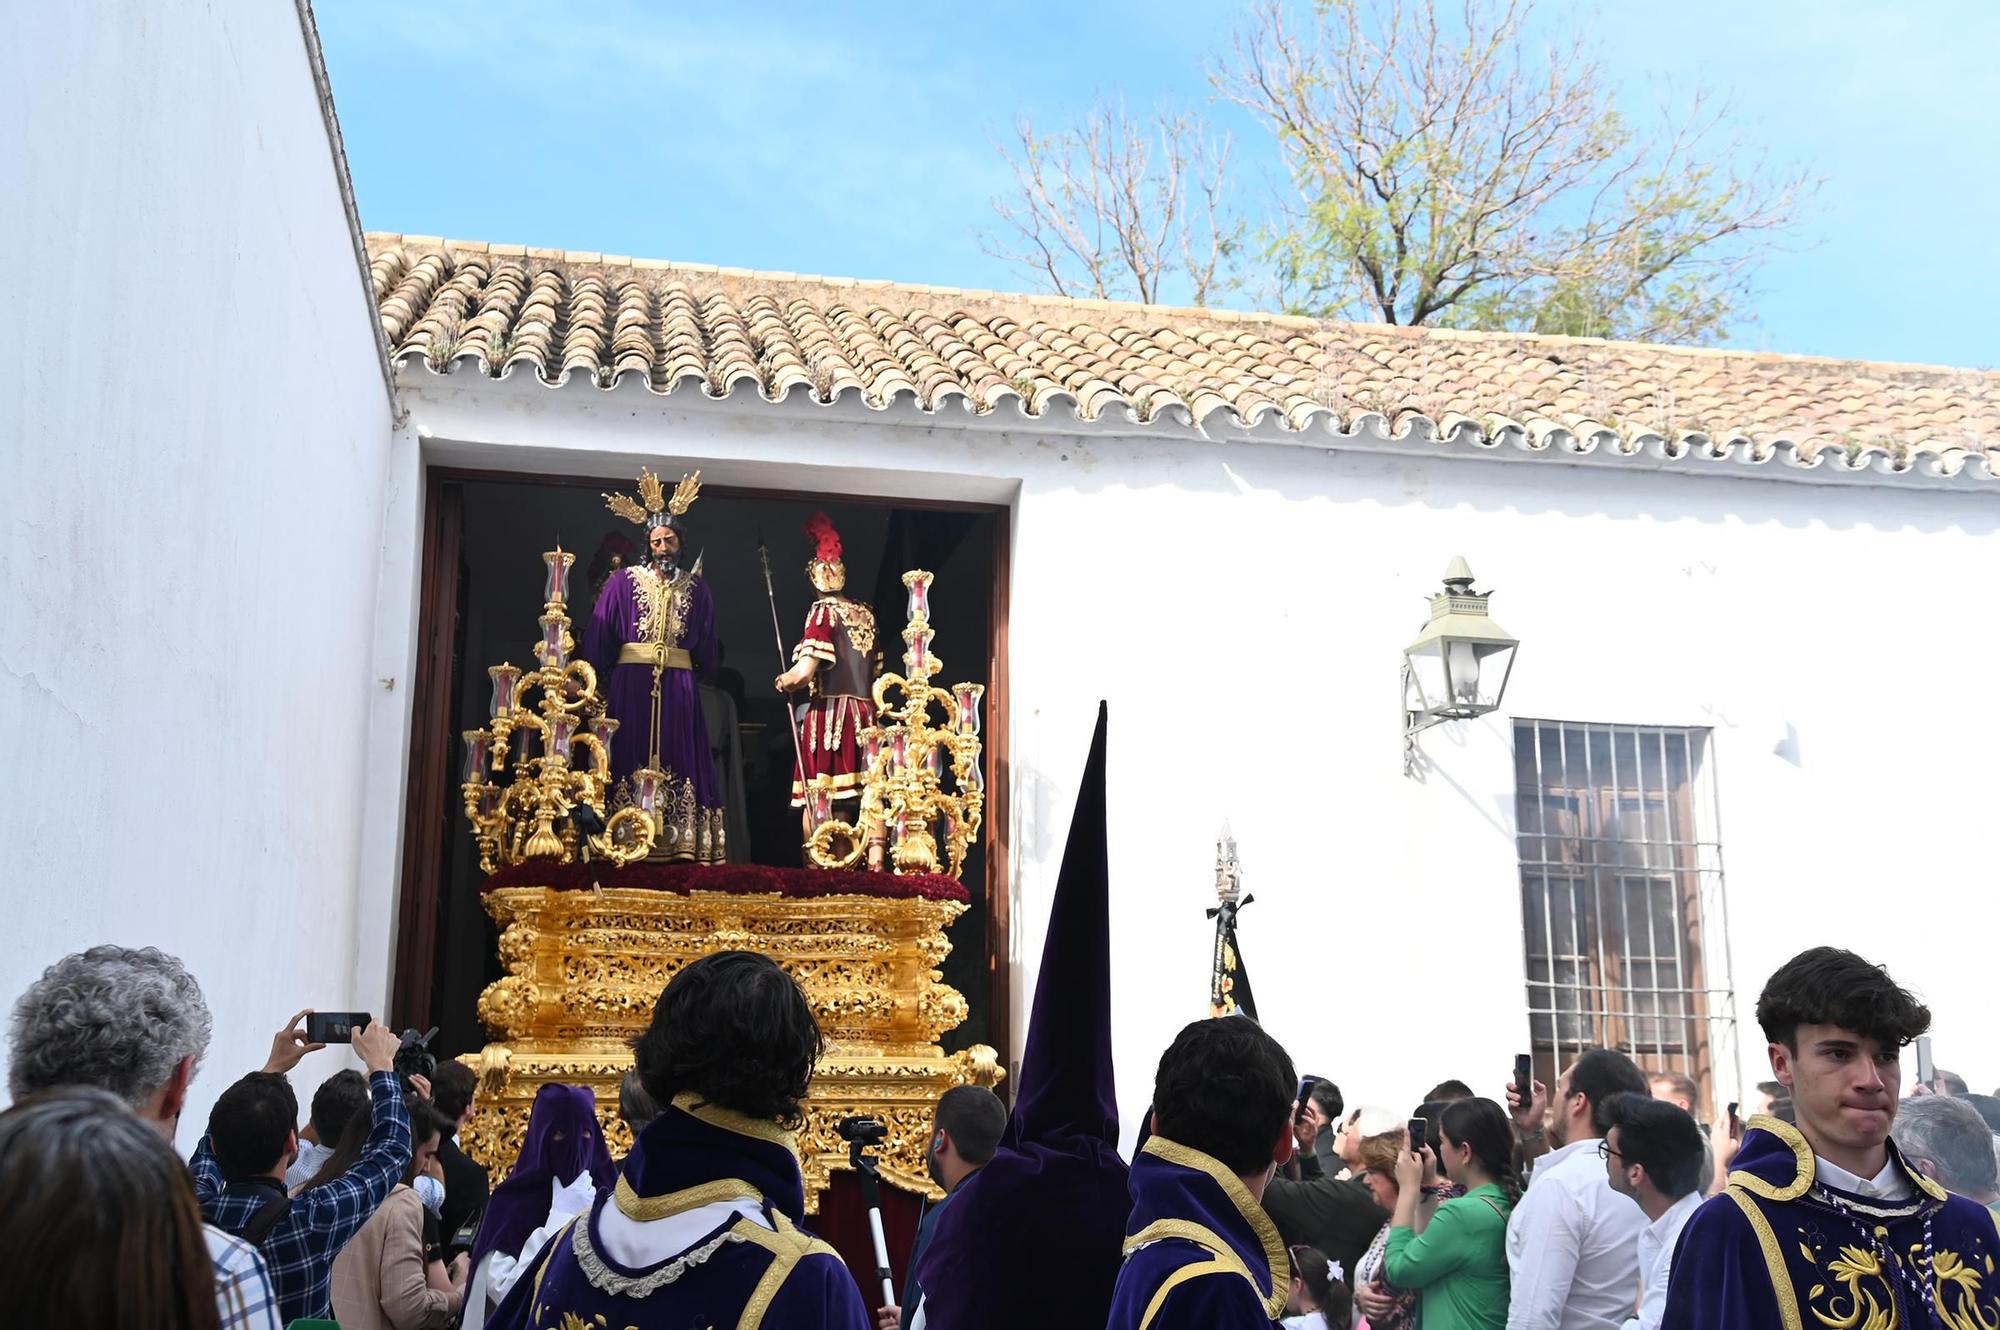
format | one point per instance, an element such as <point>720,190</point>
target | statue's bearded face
<point>665,541</point>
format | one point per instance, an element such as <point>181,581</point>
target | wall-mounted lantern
<point>1458,666</point>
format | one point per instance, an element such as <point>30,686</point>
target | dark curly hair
<point>735,1030</point>
<point>1225,1088</point>
<point>1828,986</point>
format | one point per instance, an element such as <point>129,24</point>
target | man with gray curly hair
<point>1946,1140</point>
<point>133,1021</point>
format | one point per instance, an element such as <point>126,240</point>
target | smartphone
<point>1418,1130</point>
<point>1305,1097</point>
<point>334,1027</point>
<point>1926,1073</point>
<point>1524,1077</point>
<point>1735,1123</point>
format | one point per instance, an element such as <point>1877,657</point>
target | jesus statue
<point>652,629</point>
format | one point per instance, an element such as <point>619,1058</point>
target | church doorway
<point>481,594</point>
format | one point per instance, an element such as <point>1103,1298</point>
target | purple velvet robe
<point>628,689</point>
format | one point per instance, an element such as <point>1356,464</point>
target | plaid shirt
<point>242,1290</point>
<point>299,1252</point>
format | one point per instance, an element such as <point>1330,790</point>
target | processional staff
<point>1229,978</point>
<point>778,632</point>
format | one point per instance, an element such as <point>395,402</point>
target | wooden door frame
<point>432,748</point>
<point>431,752</point>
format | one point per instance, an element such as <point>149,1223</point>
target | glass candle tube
<point>555,641</point>
<point>561,730</point>
<point>506,682</point>
<point>646,789</point>
<point>919,583</point>
<point>966,696</point>
<point>478,749</point>
<point>555,587</point>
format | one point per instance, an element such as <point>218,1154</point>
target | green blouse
<point>1459,1262</point>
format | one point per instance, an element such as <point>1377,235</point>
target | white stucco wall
<point>1243,607</point>
<point>193,441</point>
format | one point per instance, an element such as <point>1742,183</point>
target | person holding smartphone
<point>1385,1306</point>
<point>1457,1258</point>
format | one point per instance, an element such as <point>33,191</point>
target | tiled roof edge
<point>376,240</point>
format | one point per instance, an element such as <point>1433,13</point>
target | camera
<point>862,1132</point>
<point>414,1057</point>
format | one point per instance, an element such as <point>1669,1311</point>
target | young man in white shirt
<point>1654,1154</point>
<point>1572,1242</point>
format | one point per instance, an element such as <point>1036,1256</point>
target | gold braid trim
<point>1774,1259</point>
<point>788,1247</point>
<point>535,1294</point>
<point>728,1119</point>
<point>1801,1182</point>
<point>1278,1259</point>
<point>1808,1170</point>
<point>1182,1276</point>
<point>645,1209</point>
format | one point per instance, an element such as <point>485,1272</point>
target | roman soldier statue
<point>835,661</point>
<point>652,629</point>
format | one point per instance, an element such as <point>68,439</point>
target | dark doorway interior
<point>503,525</point>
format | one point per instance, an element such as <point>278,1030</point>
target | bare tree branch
<point>1116,208</point>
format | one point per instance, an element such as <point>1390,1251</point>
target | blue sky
<point>858,139</point>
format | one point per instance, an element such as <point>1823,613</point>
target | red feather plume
<point>825,538</point>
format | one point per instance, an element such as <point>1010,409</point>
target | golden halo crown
<point>653,499</point>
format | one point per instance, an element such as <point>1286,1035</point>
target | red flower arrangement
<point>738,879</point>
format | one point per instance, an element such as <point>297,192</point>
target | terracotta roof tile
<point>499,308</point>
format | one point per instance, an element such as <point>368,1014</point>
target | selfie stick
<point>871,1196</point>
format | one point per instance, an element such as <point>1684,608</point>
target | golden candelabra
<point>524,805</point>
<point>904,755</point>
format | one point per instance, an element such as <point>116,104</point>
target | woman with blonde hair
<point>1382,1305</point>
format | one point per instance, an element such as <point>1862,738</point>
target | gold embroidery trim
<point>1278,1259</point>
<point>1802,1180</point>
<point>687,1101</point>
<point>652,653</point>
<point>1808,1169</point>
<point>859,620</point>
<point>535,1294</point>
<point>1174,1281</point>
<point>662,603</point>
<point>645,1209</point>
<point>1774,1259</point>
<point>788,1247</point>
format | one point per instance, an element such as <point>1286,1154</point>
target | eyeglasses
<point>1604,1151</point>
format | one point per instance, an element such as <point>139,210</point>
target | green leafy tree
<point>1443,172</point>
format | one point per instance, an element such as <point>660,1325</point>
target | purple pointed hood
<point>1034,1237</point>
<point>562,1141</point>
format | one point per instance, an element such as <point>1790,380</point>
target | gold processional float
<point>584,967</point>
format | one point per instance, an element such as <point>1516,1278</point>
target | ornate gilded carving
<point>586,967</point>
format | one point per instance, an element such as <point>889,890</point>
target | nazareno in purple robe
<point>625,613</point>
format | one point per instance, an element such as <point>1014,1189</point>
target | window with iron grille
<point>1622,902</point>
